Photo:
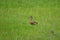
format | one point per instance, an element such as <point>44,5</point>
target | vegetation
<point>15,15</point>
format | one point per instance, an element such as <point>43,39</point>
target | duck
<point>32,22</point>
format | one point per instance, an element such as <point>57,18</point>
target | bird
<point>32,22</point>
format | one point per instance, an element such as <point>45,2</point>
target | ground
<point>15,14</point>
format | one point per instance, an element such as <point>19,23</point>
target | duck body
<point>32,22</point>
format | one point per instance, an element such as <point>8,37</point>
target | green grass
<point>14,19</point>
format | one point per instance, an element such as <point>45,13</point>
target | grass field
<point>15,14</point>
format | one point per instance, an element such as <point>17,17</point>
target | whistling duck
<point>32,22</point>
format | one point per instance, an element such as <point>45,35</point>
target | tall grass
<point>15,14</point>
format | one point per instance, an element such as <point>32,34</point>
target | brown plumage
<point>32,22</point>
